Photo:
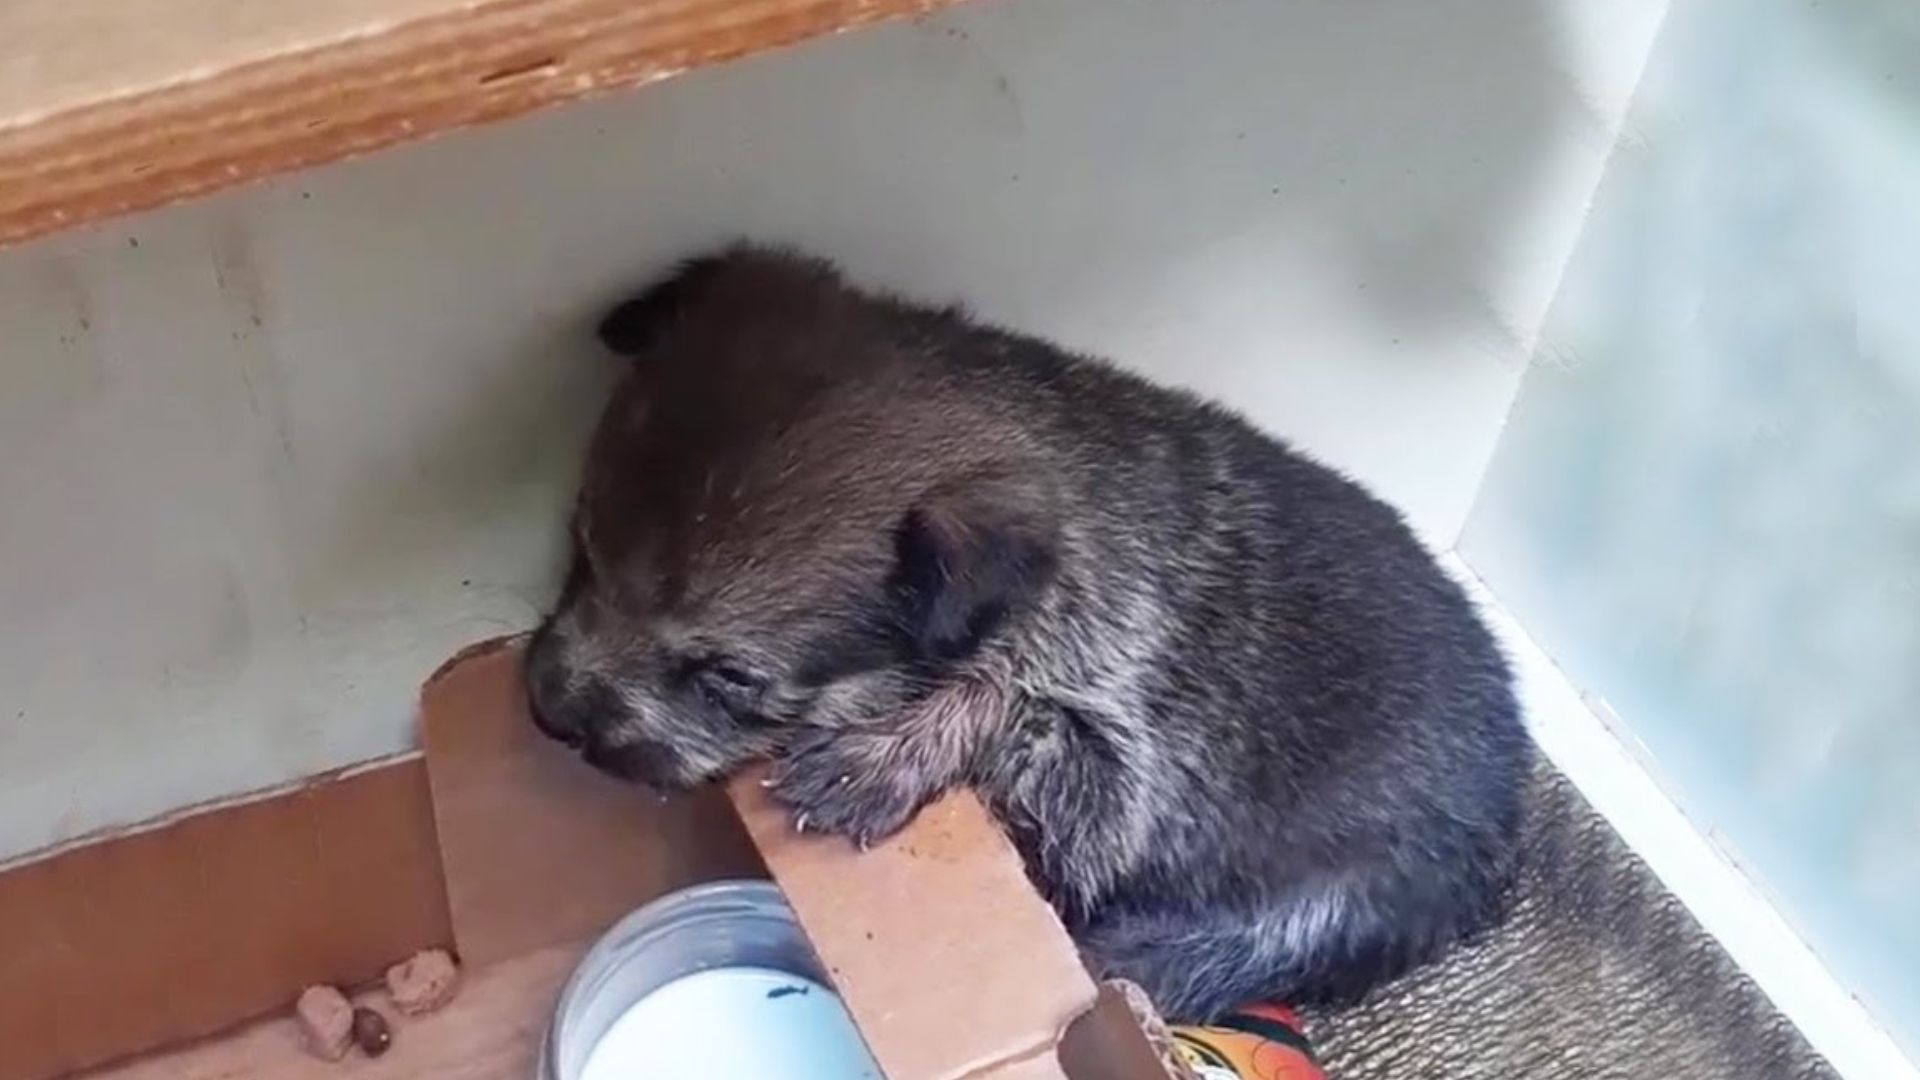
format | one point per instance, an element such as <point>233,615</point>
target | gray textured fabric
<point>1597,973</point>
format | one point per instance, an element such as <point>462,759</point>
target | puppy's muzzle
<point>563,706</point>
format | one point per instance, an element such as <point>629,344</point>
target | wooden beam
<point>112,106</point>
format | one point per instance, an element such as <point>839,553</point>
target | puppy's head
<point>787,522</point>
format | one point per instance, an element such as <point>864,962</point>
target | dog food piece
<point>326,1021</point>
<point>423,983</point>
<point>370,1032</point>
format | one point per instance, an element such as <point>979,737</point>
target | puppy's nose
<point>555,719</point>
<point>547,694</point>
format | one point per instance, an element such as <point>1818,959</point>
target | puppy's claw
<point>851,784</point>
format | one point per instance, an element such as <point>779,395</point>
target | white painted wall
<point>1707,499</point>
<point>261,472</point>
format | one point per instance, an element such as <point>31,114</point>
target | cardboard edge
<point>184,927</point>
<point>1078,1031</point>
<point>459,659</point>
<point>1107,1042</point>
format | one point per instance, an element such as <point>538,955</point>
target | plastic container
<point>743,927</point>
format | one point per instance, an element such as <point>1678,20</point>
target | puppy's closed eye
<point>731,688</point>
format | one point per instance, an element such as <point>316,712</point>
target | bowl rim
<point>664,914</point>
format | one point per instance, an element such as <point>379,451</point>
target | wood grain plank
<point>145,102</point>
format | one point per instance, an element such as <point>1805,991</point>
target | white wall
<point>1707,502</point>
<point>267,459</point>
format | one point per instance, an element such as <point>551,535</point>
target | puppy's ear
<point>746,277</point>
<point>635,326</point>
<point>968,557</point>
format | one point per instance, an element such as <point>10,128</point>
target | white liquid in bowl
<point>733,1022</point>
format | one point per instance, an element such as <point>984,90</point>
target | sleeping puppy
<point>1249,740</point>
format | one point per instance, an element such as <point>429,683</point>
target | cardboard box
<point>952,966</point>
<point>148,937</point>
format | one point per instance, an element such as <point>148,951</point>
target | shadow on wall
<point>325,430</point>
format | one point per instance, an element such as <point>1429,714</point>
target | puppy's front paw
<point>857,784</point>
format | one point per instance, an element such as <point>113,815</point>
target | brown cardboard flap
<point>182,929</point>
<point>1106,1043</point>
<point>1041,1065</point>
<point>538,848</point>
<point>948,960</point>
<point>954,968</point>
<point>952,965</point>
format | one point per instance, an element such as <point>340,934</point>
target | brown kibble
<point>423,983</point>
<point>370,1032</point>
<point>326,1022</point>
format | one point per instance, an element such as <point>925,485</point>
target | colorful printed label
<point>1260,1042</point>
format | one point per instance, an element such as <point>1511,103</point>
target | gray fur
<point>1249,739</point>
